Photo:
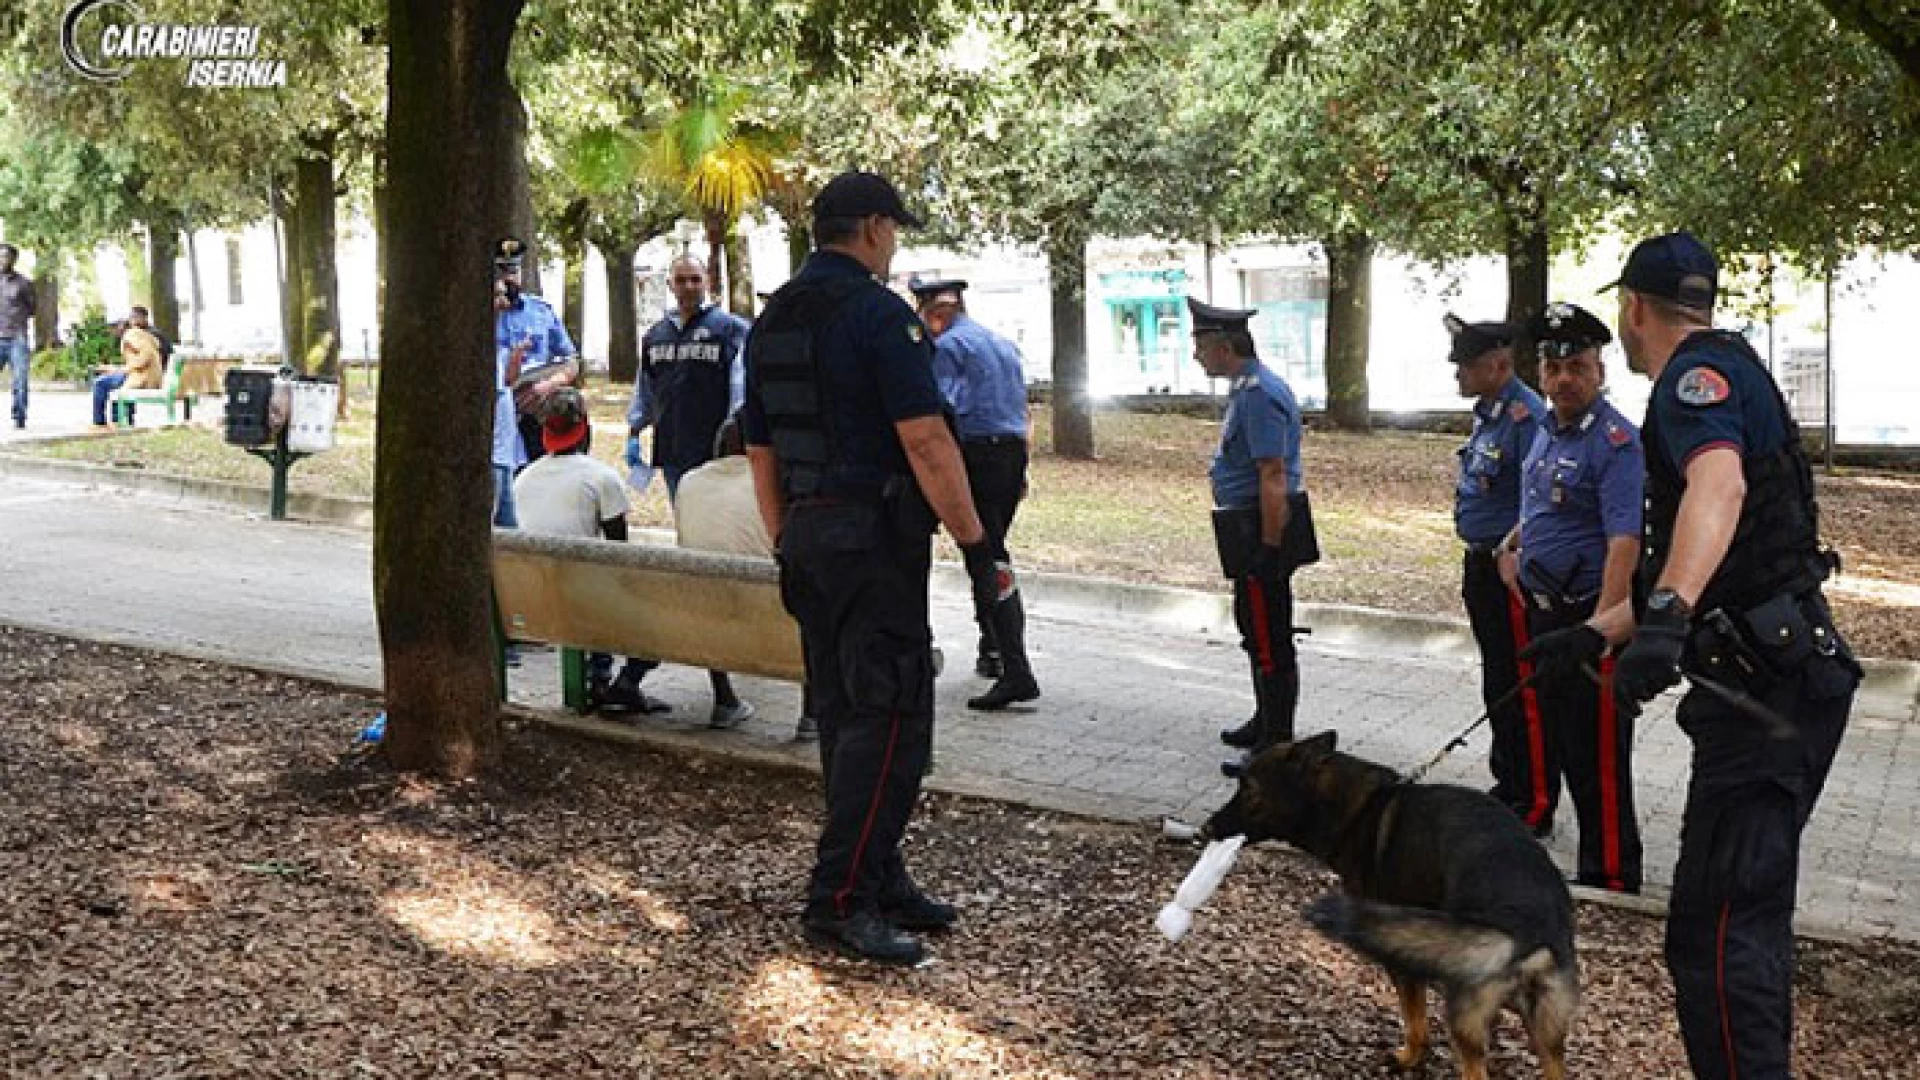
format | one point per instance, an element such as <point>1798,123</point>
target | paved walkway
<point>1126,729</point>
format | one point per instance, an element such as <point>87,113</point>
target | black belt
<point>994,440</point>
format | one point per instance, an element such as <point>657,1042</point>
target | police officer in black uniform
<point>853,465</point>
<point>1735,565</point>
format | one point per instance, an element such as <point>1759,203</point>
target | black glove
<point>1563,652</point>
<point>985,574</point>
<point>1651,661</point>
<point>1268,562</point>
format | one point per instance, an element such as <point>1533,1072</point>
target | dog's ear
<point>1319,746</point>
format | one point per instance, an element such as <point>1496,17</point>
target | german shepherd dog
<point>1443,887</point>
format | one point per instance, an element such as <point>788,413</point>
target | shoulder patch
<point>1702,386</point>
<point>915,334</point>
<point>1519,411</point>
<point>1618,435</point>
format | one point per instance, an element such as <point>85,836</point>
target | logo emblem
<point>1703,386</point>
<point>70,44</point>
<point>915,334</point>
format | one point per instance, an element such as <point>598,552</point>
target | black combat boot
<point>1247,735</point>
<point>1016,682</point>
<point>864,935</point>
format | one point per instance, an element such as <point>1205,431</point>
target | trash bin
<point>249,395</point>
<point>316,402</point>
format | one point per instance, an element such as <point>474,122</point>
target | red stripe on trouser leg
<point>1609,765</point>
<point>1720,987</point>
<point>866,827</point>
<point>1530,711</point>
<point>1262,633</point>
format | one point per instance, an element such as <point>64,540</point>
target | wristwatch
<point>1666,602</point>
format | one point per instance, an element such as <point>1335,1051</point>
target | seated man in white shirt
<point>568,493</point>
<point>715,510</point>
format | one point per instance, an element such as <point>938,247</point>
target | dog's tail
<point>1414,942</point>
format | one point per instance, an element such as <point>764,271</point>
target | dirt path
<point>191,883</point>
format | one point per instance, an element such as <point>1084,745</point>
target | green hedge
<point>91,345</point>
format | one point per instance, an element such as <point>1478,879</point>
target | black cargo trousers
<point>1729,943</point>
<point>1526,775</point>
<point>857,584</point>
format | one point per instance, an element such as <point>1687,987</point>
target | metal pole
<point>1829,372</point>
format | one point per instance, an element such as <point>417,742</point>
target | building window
<point>234,295</point>
<point>1290,331</point>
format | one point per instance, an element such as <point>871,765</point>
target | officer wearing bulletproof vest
<point>980,376</point>
<point>853,466</point>
<point>1261,520</point>
<point>690,377</point>
<point>1574,552</point>
<point>1486,506</point>
<point>1735,563</point>
<point>540,356</point>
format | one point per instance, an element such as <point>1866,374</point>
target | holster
<point>1781,638</point>
<point>1236,536</point>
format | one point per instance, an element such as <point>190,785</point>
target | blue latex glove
<point>634,460</point>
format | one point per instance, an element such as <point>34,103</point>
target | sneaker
<point>807,730</point>
<point>727,717</point>
<point>864,935</point>
<point>620,698</point>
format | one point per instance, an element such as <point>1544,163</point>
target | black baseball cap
<point>1676,267</point>
<point>508,253</point>
<point>1474,340</point>
<point>862,194</point>
<point>928,290</point>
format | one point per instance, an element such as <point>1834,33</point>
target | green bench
<point>168,394</point>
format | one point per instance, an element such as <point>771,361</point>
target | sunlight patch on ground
<point>475,923</point>
<point>791,1006</point>
<point>614,886</point>
<point>1877,591</point>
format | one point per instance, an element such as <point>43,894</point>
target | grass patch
<point>1383,504</point>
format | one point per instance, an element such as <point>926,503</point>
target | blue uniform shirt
<point>532,320</point>
<point>979,373</point>
<point>876,363</point>
<point>1486,496</point>
<point>508,451</point>
<point>1711,395</point>
<point>1584,484</point>
<point>1262,422</point>
<point>712,336</point>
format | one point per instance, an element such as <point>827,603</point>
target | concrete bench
<point>705,610</point>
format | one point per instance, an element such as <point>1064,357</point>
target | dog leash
<point>1460,740</point>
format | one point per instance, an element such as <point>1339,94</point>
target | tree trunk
<point>716,256</point>
<point>46,301</point>
<point>1072,407</point>
<point>380,221</point>
<point>317,308</point>
<point>799,243</point>
<point>519,176</point>
<point>163,249</point>
<point>1529,258</point>
<point>193,282</point>
<point>1349,322</point>
<point>623,310</point>
<point>739,274</point>
<point>433,487</point>
<point>292,288</point>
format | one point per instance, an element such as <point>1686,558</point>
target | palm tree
<point>719,151</point>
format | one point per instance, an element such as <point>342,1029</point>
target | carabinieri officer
<point>1486,506</point>
<point>1735,563</point>
<point>1261,520</point>
<point>540,357</point>
<point>1578,544</point>
<point>980,376</point>
<point>852,464</point>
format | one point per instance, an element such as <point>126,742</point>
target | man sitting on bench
<point>568,493</point>
<point>142,367</point>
